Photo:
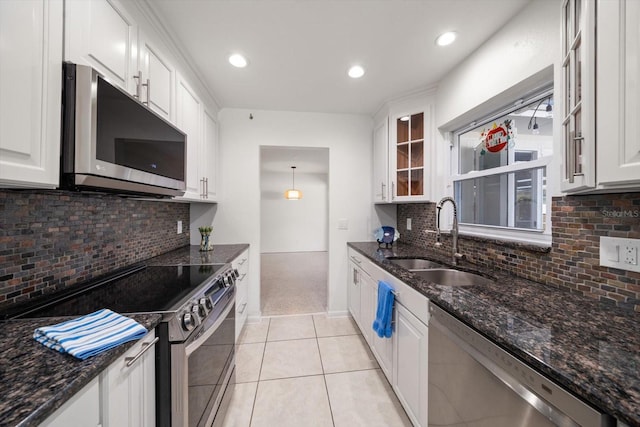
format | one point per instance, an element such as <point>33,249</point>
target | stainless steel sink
<point>415,263</point>
<point>449,277</point>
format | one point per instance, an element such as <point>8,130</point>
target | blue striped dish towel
<point>89,335</point>
<point>384,312</point>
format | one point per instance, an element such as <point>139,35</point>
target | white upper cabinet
<point>157,78</point>
<point>402,152</point>
<point>409,149</point>
<point>188,119</point>
<point>209,157</point>
<point>381,162</point>
<point>100,33</point>
<point>30,86</point>
<point>618,94</point>
<point>600,67</point>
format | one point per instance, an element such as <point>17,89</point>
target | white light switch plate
<point>179,227</point>
<point>620,253</point>
<point>343,224</point>
<point>408,223</point>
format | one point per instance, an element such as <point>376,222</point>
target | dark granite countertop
<point>192,255</point>
<point>35,380</point>
<point>591,349</point>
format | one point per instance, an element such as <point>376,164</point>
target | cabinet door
<point>381,162</point>
<point>158,79</point>
<point>188,119</point>
<point>100,33</point>
<point>410,365</point>
<point>82,410</point>
<point>618,93</point>
<point>409,146</point>
<point>128,392</point>
<point>578,100</point>
<point>382,347</point>
<point>209,159</point>
<point>367,307</point>
<point>354,293</point>
<point>241,263</point>
<point>30,87</point>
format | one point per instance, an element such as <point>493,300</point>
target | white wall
<point>519,57</point>
<point>294,225</point>
<point>348,138</point>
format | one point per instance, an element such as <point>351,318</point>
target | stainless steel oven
<point>201,368</point>
<point>195,356</point>
<point>473,382</point>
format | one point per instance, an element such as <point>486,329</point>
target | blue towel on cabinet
<point>384,312</point>
<point>89,335</point>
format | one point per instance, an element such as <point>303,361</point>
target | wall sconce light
<point>292,193</point>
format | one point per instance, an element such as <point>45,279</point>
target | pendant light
<point>292,193</point>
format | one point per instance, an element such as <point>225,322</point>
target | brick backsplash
<point>572,261</point>
<point>53,239</point>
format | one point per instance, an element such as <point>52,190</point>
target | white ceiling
<point>299,50</point>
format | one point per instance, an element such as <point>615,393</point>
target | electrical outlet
<point>179,227</point>
<point>620,253</point>
<point>631,255</point>
<point>408,223</point>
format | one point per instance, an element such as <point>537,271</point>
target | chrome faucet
<point>454,231</point>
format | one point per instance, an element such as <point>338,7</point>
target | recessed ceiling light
<point>356,72</point>
<point>447,38</point>
<point>238,60</point>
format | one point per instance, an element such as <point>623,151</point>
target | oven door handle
<point>145,346</point>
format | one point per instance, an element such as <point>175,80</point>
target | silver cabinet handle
<point>243,261</point>
<point>145,346</point>
<point>138,79</point>
<point>383,187</point>
<point>244,306</point>
<point>148,86</point>
<point>242,277</point>
<point>393,190</point>
<point>356,259</point>
<point>206,191</point>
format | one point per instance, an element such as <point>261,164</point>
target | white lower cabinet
<point>123,395</point>
<point>354,293</point>
<point>128,387</point>
<point>410,364</point>
<point>382,348</point>
<point>403,357</point>
<point>82,410</point>
<point>241,263</point>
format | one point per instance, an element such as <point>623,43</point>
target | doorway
<point>294,234</point>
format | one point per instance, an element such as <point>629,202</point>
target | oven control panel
<point>201,304</point>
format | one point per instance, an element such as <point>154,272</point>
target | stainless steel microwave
<point>112,142</point>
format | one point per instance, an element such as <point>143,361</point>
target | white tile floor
<point>310,370</point>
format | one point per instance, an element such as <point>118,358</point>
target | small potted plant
<point>205,238</point>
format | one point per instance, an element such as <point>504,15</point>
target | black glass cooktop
<point>151,289</point>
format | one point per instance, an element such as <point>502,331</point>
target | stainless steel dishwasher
<point>475,383</point>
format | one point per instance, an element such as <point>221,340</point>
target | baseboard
<point>336,313</point>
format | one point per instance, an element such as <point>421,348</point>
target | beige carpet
<point>293,283</point>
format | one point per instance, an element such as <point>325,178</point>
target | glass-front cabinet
<point>409,156</point>
<point>578,112</point>
<point>600,68</point>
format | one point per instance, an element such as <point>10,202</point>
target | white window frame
<point>527,236</point>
